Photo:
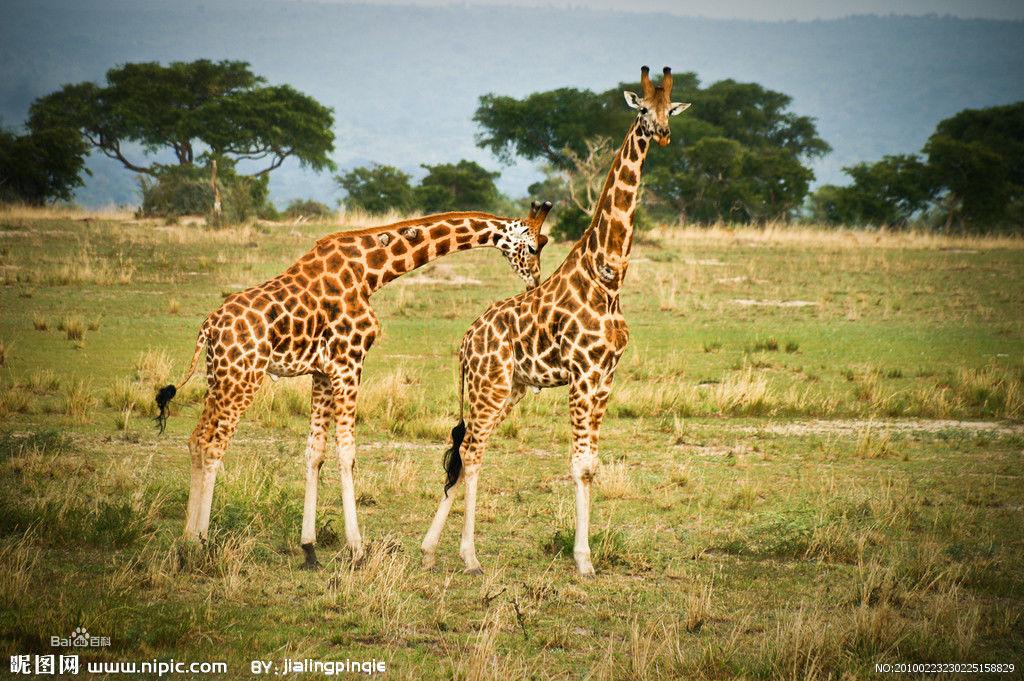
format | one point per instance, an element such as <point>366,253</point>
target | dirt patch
<point>746,302</point>
<point>852,426</point>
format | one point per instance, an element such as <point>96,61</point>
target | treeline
<point>739,154</point>
<point>969,176</point>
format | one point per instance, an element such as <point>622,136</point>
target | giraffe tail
<point>452,461</point>
<point>167,393</point>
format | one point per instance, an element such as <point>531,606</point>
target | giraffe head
<point>521,242</point>
<point>655,105</point>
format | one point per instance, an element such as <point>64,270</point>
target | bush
<point>308,208</point>
<point>572,222</point>
<point>186,190</point>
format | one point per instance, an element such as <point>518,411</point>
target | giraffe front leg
<point>587,403</point>
<point>345,386</point>
<point>319,416</point>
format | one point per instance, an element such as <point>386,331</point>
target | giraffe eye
<point>643,109</point>
<point>532,249</point>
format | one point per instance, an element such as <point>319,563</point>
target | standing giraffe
<point>569,330</point>
<point>316,318</point>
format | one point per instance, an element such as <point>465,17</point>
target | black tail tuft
<point>163,399</point>
<point>452,460</point>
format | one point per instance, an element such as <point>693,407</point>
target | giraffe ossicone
<point>316,318</point>
<point>568,330</point>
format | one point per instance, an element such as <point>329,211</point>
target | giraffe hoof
<point>473,571</point>
<point>311,563</point>
<point>428,561</point>
<point>586,571</point>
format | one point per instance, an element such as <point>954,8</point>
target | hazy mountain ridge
<point>404,81</point>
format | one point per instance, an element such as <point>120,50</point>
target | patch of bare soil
<point>746,302</point>
<point>840,426</point>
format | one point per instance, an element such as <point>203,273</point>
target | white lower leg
<point>467,547</point>
<point>429,545</point>
<point>583,468</point>
<point>195,493</point>
<point>313,462</point>
<point>347,456</point>
<point>210,469</point>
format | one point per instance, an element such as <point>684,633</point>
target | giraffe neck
<point>611,229</point>
<point>390,251</point>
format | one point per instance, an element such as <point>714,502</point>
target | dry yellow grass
<point>820,236</point>
<point>153,367</point>
<point>14,211</point>
<point>614,480</point>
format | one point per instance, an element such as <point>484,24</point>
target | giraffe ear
<point>632,99</point>
<point>542,241</point>
<point>676,108</point>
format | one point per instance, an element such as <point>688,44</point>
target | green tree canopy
<point>40,166</point>
<point>888,192</point>
<point>976,158</point>
<point>195,109</point>
<point>764,175</point>
<point>377,189</point>
<point>457,186</point>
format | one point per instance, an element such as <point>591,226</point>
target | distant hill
<point>404,81</point>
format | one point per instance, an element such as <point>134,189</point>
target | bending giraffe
<point>316,318</point>
<point>569,330</point>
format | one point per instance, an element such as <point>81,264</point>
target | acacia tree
<point>216,110</point>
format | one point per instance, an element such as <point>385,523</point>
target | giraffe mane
<point>413,222</point>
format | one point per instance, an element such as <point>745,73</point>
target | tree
<point>770,144</point>
<point>377,189</point>
<point>888,192</point>
<point>457,186</point>
<point>197,110</point>
<point>976,158</point>
<point>40,166</point>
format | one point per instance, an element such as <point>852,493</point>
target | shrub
<point>183,190</point>
<point>308,208</point>
<point>572,222</point>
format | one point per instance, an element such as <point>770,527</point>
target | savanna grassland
<point>811,463</point>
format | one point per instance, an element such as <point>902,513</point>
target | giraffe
<point>316,318</point>
<point>568,330</point>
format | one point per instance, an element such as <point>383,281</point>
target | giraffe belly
<point>286,365</point>
<point>539,375</point>
<point>287,370</point>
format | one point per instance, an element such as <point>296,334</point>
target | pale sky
<point>760,10</point>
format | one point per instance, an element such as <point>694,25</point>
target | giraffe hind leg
<point>321,411</point>
<point>483,419</point>
<point>221,413</point>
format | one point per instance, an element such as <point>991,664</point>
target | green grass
<point>788,490</point>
